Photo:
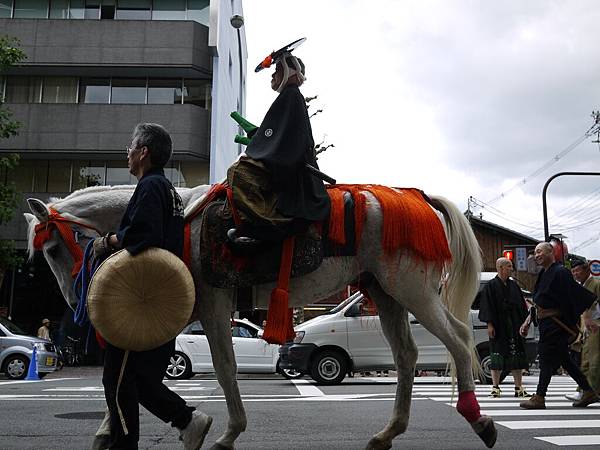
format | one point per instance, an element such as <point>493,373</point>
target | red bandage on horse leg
<point>468,406</point>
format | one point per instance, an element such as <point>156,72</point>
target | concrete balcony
<point>112,47</point>
<point>101,131</point>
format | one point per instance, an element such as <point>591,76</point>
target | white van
<point>349,339</point>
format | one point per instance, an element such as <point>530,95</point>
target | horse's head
<point>61,229</point>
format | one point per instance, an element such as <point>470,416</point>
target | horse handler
<point>153,218</point>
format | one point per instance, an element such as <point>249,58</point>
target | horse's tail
<point>462,283</point>
<point>463,279</point>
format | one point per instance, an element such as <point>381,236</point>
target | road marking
<point>542,412</point>
<point>37,381</point>
<point>586,439</point>
<point>561,424</point>
<point>307,389</point>
<point>563,404</point>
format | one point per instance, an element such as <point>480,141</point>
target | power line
<point>594,129</point>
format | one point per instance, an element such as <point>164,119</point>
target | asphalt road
<point>64,410</point>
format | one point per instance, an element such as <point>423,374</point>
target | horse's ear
<point>29,217</point>
<point>39,209</point>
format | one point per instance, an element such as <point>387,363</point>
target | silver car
<point>16,351</point>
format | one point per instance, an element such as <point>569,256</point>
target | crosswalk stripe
<point>542,412</point>
<point>561,424</point>
<point>586,439</point>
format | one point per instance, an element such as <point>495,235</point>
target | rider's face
<point>277,77</point>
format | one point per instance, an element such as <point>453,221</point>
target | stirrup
<point>242,242</point>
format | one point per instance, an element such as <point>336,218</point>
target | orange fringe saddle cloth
<point>409,222</point>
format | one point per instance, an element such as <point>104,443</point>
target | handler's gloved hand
<point>102,247</point>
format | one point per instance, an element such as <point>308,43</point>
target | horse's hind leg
<point>394,322</point>
<point>456,336</point>
<point>215,314</point>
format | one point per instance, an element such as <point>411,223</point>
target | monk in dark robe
<point>560,301</point>
<point>503,308</point>
<point>272,191</point>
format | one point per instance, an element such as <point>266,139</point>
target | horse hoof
<point>485,429</point>
<point>217,446</point>
<point>376,444</point>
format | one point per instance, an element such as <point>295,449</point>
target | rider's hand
<point>491,330</point>
<point>102,247</point>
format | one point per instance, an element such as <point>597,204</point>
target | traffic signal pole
<point>544,203</point>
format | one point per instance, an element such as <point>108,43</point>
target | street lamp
<point>237,22</point>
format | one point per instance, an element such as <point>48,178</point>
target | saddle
<point>223,268</point>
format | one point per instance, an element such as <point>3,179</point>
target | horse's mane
<point>98,200</point>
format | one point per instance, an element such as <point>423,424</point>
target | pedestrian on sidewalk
<point>559,301</point>
<point>44,331</point>
<point>503,308</point>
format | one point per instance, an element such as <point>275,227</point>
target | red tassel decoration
<point>279,328</point>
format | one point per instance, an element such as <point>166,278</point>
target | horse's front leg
<point>394,322</point>
<point>214,309</point>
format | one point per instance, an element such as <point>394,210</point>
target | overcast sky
<point>458,98</point>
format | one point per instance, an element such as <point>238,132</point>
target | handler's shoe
<point>574,397</point>
<point>587,398</point>
<point>495,392</point>
<point>193,435</point>
<point>522,393</point>
<point>535,402</point>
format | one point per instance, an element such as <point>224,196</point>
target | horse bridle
<point>43,232</point>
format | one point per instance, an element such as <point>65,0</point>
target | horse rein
<point>43,233</point>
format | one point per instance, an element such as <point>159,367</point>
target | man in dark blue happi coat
<point>560,301</point>
<point>153,218</point>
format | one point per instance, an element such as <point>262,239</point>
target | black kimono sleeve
<point>487,305</point>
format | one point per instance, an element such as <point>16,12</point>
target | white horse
<point>399,284</point>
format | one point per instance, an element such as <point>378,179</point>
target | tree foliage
<point>10,55</point>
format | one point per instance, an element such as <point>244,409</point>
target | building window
<point>197,92</point>
<point>31,9</point>
<point>193,173</point>
<point>22,175</point>
<point>199,10</point>
<point>23,89</point>
<point>94,90</point>
<point>59,176</point>
<point>60,90</point>
<point>40,176</point>
<point>107,9</point>
<point>117,173</point>
<point>77,9</point>
<point>5,9</point>
<point>88,173</point>
<point>59,9</point>
<point>164,91</point>
<point>134,10</point>
<point>128,90</point>
<point>168,10</point>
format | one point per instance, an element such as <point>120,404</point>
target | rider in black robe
<point>272,190</point>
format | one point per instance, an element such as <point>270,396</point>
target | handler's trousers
<point>590,359</point>
<point>139,383</point>
<point>553,353</point>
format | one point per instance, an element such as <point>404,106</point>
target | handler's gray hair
<point>502,261</point>
<point>158,141</point>
<point>547,246</point>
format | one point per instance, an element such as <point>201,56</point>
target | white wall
<point>223,38</point>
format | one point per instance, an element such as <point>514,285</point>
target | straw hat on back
<point>141,302</point>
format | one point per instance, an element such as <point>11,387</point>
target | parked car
<point>16,350</point>
<point>358,343</point>
<point>252,353</point>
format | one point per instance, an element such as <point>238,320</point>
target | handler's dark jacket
<point>498,298</point>
<point>154,216</point>
<point>284,143</point>
<point>556,288</point>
